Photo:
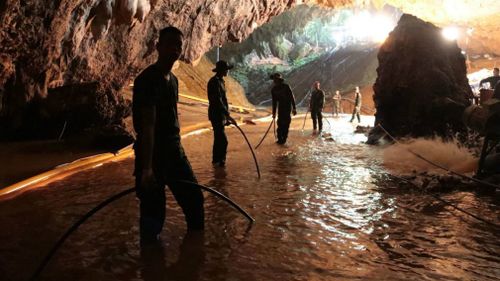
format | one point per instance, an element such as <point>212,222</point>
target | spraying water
<point>400,161</point>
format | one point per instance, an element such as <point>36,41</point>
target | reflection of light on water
<point>344,180</point>
<point>343,131</point>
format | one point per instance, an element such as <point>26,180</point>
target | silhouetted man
<point>218,112</point>
<point>316,106</point>
<point>159,156</point>
<point>284,100</point>
<point>357,106</point>
<point>493,80</point>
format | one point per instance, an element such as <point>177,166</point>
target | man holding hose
<point>284,101</point>
<point>159,157</point>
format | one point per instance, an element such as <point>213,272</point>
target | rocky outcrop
<point>421,87</point>
<point>56,46</point>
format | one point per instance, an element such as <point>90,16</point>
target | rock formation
<point>93,48</point>
<point>421,88</point>
<point>100,45</point>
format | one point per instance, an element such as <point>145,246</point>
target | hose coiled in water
<point>113,198</point>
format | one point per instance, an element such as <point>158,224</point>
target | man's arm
<point>144,118</point>
<point>275,103</point>
<point>322,100</point>
<point>311,97</point>
<point>292,97</point>
<point>147,123</point>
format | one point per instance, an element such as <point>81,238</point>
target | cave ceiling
<point>480,17</point>
<point>45,45</point>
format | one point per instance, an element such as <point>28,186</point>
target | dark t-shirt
<point>152,89</point>
<point>317,100</point>
<point>283,99</point>
<point>493,80</point>
<point>218,107</point>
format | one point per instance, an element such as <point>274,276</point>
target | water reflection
<point>324,210</point>
<point>187,267</point>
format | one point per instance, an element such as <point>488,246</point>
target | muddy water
<point>325,209</point>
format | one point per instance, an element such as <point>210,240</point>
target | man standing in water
<point>357,106</point>
<point>159,156</point>
<point>336,103</point>
<point>285,101</point>
<point>316,106</point>
<point>218,112</point>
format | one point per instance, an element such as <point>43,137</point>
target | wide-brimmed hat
<point>221,66</point>
<point>276,76</point>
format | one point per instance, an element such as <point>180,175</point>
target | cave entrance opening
<point>311,43</point>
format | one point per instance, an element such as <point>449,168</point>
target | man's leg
<point>280,130</point>
<point>189,197</point>
<point>220,142</point>
<point>353,115</point>
<point>152,210</point>
<point>320,121</point>
<point>313,117</point>
<point>359,117</point>
<point>223,145</point>
<point>286,126</point>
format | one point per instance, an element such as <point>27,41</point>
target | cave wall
<point>421,87</point>
<point>97,46</point>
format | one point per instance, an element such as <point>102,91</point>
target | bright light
<point>450,33</point>
<point>358,24</point>
<point>365,26</point>
<point>338,37</point>
<point>381,26</point>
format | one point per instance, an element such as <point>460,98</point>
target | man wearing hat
<point>218,111</point>
<point>285,101</point>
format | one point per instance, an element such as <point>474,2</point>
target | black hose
<point>265,134</point>
<point>251,149</point>
<point>305,117</point>
<point>222,196</point>
<point>330,125</point>
<point>70,230</point>
<point>113,198</point>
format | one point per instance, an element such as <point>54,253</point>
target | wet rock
<point>362,129</point>
<point>47,45</point>
<point>421,88</point>
<point>71,109</point>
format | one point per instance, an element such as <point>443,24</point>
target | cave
<point>73,59</point>
<point>350,201</point>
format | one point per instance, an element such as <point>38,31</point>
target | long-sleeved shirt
<point>283,99</point>
<point>218,107</point>
<point>317,100</point>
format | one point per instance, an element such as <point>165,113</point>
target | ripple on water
<point>324,210</point>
